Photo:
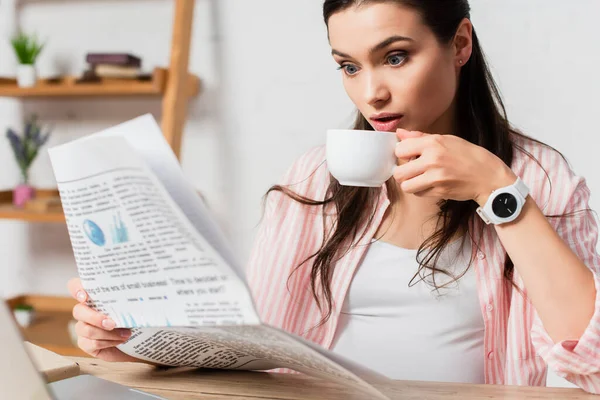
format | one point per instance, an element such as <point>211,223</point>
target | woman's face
<point>393,68</point>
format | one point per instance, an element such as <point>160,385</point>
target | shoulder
<point>307,176</point>
<point>530,153</point>
<point>308,173</point>
<point>309,166</point>
<point>548,174</point>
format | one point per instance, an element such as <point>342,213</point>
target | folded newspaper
<point>152,257</point>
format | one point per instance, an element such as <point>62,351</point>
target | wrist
<point>505,178</point>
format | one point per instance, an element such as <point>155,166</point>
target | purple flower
<point>17,146</point>
<point>26,147</point>
<point>40,140</point>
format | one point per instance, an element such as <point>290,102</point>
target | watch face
<point>504,205</point>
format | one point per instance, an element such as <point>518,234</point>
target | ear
<point>463,42</point>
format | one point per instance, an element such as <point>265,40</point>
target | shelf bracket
<point>174,106</point>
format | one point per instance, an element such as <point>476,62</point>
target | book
<point>116,71</point>
<point>153,258</point>
<point>123,59</point>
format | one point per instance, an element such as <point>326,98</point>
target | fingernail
<point>108,324</point>
<point>125,334</point>
<point>81,296</point>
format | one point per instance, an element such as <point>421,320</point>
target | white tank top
<point>413,333</point>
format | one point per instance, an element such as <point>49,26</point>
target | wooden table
<point>179,384</point>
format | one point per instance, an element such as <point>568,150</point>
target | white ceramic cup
<point>361,158</point>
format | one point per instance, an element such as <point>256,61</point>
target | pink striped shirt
<point>518,350</point>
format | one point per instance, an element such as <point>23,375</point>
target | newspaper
<point>152,257</point>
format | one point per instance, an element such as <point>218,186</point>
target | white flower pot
<point>26,75</point>
<point>72,332</point>
<point>24,317</point>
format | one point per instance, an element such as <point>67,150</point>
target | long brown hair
<point>481,119</point>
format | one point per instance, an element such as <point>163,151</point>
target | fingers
<point>106,350</point>
<point>96,332</point>
<point>112,354</point>
<point>413,144</point>
<point>410,148</point>
<point>404,134</point>
<point>418,185</point>
<point>76,290</point>
<point>101,343</point>
<point>94,347</point>
<point>409,170</point>
<point>91,332</point>
<point>83,313</point>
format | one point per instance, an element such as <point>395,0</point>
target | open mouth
<point>386,122</point>
<point>388,119</point>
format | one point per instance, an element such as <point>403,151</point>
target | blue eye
<point>349,69</point>
<point>396,59</point>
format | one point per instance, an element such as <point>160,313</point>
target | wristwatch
<point>504,204</point>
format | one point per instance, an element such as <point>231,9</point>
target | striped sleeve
<point>279,243</point>
<point>577,361</point>
<point>270,259</point>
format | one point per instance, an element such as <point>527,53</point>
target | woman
<point>407,278</point>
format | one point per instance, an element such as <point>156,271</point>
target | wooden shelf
<point>8,211</point>
<point>50,328</point>
<point>68,87</point>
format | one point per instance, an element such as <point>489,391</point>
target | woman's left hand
<point>448,167</point>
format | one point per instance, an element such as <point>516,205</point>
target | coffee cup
<point>361,158</point>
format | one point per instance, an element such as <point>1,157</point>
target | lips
<point>387,122</point>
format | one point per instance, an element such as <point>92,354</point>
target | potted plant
<point>27,48</point>
<point>24,314</point>
<point>25,149</point>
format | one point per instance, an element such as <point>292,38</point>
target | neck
<point>409,219</point>
<point>420,205</point>
<point>446,123</point>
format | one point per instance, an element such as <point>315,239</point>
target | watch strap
<point>521,187</point>
<point>483,215</point>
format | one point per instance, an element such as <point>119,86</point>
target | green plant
<point>26,147</point>
<point>23,307</point>
<point>26,47</point>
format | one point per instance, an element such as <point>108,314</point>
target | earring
<point>460,62</point>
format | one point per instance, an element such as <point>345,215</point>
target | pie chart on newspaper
<point>94,233</point>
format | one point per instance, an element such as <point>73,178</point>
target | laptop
<point>20,380</point>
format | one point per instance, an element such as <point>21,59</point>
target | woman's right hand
<point>96,333</point>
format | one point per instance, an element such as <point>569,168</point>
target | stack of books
<point>113,65</point>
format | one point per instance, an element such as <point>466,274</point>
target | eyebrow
<point>378,47</point>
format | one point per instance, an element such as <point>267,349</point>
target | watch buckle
<point>483,216</point>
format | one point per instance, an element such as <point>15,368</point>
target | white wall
<point>271,90</point>
<point>262,63</point>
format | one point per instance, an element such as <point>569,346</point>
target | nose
<point>376,91</point>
